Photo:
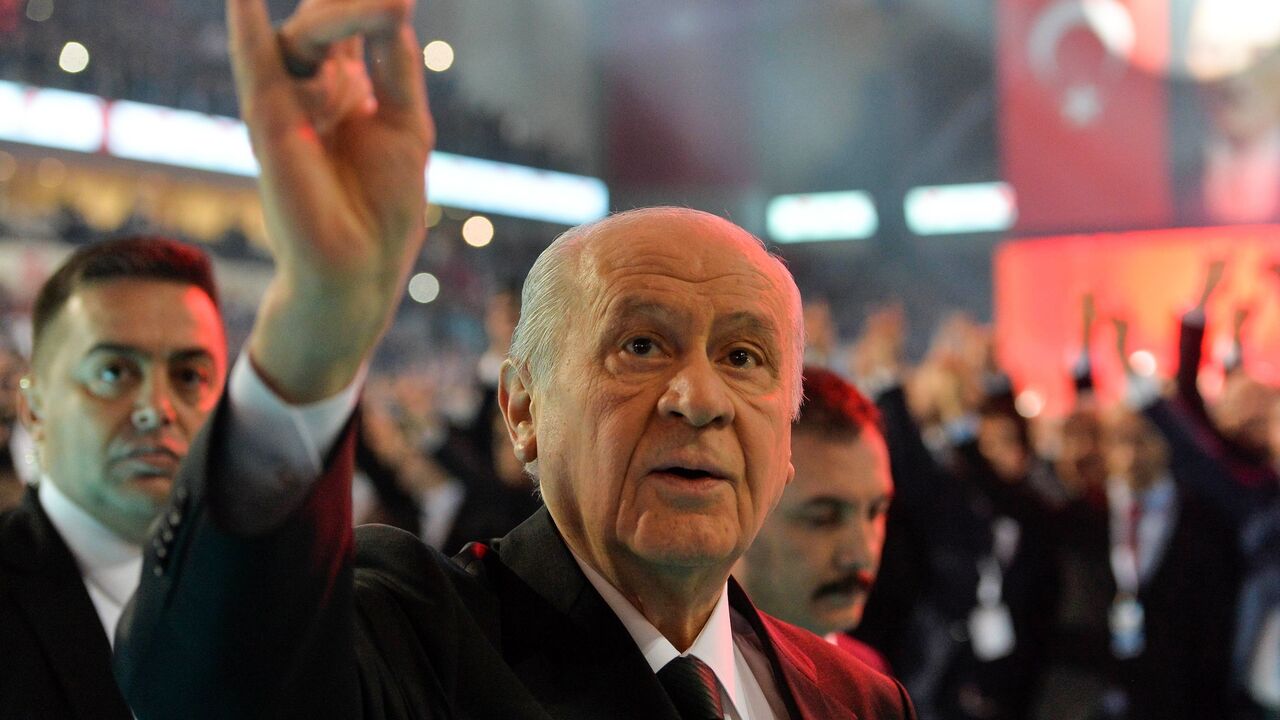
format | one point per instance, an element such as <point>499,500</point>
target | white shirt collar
<point>713,646</point>
<point>110,566</point>
<point>92,543</point>
<point>1156,498</point>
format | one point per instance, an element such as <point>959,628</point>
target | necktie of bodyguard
<point>691,685</point>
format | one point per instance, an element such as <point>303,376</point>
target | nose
<point>154,407</point>
<point>697,395</point>
<point>856,547</point>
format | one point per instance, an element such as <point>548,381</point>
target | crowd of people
<point>662,505</point>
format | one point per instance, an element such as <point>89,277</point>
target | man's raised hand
<point>343,157</point>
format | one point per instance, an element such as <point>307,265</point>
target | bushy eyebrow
<point>831,502</point>
<point>130,351</point>
<point>627,310</point>
<point>745,322</point>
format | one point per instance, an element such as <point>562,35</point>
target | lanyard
<point>1005,535</point>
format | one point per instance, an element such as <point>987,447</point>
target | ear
<point>31,407</point>
<point>516,402</point>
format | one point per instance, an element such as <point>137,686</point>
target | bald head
<point>560,275</point>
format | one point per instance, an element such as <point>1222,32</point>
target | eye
<point>110,376</point>
<point>641,346</point>
<point>191,376</point>
<point>743,358</point>
<point>824,516</point>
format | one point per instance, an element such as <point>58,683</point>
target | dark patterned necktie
<point>692,686</point>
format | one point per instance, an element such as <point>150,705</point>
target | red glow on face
<point>1150,278</point>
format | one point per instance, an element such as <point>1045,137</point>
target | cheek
<point>192,417</point>
<point>802,551</point>
<point>83,427</point>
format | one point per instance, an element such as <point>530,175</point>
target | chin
<point>686,544</point>
<point>153,488</point>
<point>674,552</point>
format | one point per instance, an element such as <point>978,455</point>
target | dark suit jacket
<point>292,624</point>
<point>1188,601</point>
<point>55,661</point>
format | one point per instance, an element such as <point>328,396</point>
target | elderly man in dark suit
<point>650,388</point>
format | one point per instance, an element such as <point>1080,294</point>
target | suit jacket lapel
<point>794,673</point>
<point>48,588</point>
<point>595,667</point>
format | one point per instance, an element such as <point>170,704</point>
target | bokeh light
<point>1143,363</point>
<point>477,231</point>
<point>1029,403</point>
<point>438,55</point>
<point>74,57</point>
<point>424,287</point>
<point>39,10</point>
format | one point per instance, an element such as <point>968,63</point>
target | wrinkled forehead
<point>685,246</point>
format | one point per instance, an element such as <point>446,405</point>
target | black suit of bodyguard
<point>55,661</point>
<point>111,404</point>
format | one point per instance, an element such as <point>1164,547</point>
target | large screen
<point>1148,278</point>
<point>1126,114</point>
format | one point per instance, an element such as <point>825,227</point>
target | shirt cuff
<point>1141,392</point>
<point>961,430</point>
<point>299,436</point>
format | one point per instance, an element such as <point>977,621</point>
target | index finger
<point>397,75</point>
<point>263,87</point>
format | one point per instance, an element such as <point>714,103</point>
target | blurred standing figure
<point>128,360</point>
<point>815,560</point>
<point>1143,632</point>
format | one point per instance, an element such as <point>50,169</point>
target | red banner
<point>1083,130</point>
<point>1148,278</point>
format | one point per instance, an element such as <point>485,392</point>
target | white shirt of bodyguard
<point>298,436</point>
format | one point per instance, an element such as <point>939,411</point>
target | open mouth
<point>689,473</point>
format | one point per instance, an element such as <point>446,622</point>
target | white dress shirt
<point>109,565</point>
<point>743,696</point>
<point>298,437</point>
<point>1159,514</point>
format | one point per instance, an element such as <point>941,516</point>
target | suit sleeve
<point>1190,348</point>
<point>1198,462</point>
<point>228,624</point>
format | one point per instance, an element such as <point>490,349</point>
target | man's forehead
<point>140,312</point>
<point>840,466</point>
<point>681,245</point>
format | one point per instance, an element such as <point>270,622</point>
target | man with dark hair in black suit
<point>128,359</point>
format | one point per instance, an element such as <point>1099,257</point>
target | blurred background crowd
<point>1053,264</point>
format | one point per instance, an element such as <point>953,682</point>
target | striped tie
<point>692,686</point>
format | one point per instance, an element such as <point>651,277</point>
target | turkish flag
<point>1083,130</point>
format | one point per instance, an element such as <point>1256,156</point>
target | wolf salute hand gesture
<point>343,156</point>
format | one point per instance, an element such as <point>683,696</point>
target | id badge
<point>1128,634</point>
<point>991,631</point>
